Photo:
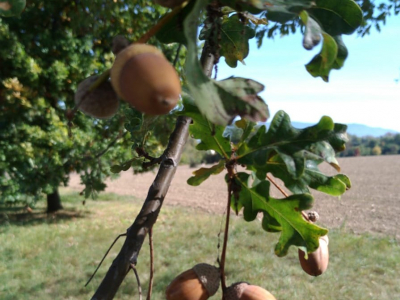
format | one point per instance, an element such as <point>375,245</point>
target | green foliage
<point>44,54</point>
<point>388,144</point>
<point>10,8</point>
<point>291,154</point>
<point>233,40</point>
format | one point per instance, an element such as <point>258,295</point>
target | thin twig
<point>277,186</point>
<point>119,136</point>
<point>305,216</point>
<point>151,264</point>
<point>133,267</point>
<point>161,23</point>
<point>105,255</point>
<point>177,55</point>
<point>225,243</point>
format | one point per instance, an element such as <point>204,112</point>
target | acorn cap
<point>245,291</point>
<point>235,291</point>
<point>209,276</point>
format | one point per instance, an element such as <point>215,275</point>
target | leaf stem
<point>305,216</point>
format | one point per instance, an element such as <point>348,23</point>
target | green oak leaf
<point>239,132</point>
<point>219,102</point>
<point>234,39</point>
<point>312,177</point>
<point>337,17</point>
<point>240,97</point>
<point>256,6</point>
<point>210,135</point>
<point>293,146</point>
<point>279,215</point>
<point>202,174</point>
<point>323,63</point>
<point>11,8</point>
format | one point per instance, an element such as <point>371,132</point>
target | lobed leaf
<point>323,63</point>
<point>293,155</point>
<point>233,40</point>
<point>210,135</point>
<point>202,174</point>
<point>279,215</point>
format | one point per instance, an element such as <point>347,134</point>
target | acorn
<point>317,261</point>
<point>119,43</point>
<point>101,103</point>
<point>169,3</point>
<point>198,283</point>
<point>143,77</point>
<point>245,291</point>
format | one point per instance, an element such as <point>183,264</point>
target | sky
<point>364,91</point>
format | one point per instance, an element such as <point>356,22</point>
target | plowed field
<point>371,205</point>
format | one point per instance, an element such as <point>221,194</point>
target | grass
<point>52,257</point>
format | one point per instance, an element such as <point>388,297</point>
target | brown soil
<point>371,205</point>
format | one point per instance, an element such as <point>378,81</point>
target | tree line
<point>388,144</point>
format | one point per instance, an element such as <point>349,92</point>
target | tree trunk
<point>54,201</point>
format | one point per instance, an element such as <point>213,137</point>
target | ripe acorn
<point>102,103</point>
<point>245,291</point>
<point>169,3</point>
<point>143,77</point>
<point>198,283</point>
<point>317,261</point>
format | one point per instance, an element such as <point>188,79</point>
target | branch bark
<point>146,218</point>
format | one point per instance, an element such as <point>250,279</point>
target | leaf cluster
<point>290,154</point>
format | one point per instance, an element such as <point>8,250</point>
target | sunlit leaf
<point>280,215</point>
<point>323,63</point>
<point>233,39</point>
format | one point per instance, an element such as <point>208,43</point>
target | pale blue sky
<point>364,91</point>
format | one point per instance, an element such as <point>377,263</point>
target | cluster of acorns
<point>140,75</point>
<point>202,281</point>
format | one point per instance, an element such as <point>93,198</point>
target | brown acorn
<point>317,261</point>
<point>102,103</point>
<point>143,77</point>
<point>198,283</point>
<point>169,3</point>
<point>245,291</point>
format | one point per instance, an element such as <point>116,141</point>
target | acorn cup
<point>101,103</point>
<point>245,291</point>
<point>143,77</point>
<point>198,283</point>
<point>317,261</point>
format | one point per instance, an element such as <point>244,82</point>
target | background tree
<point>209,108</point>
<point>45,53</point>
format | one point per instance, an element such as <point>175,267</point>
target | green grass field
<point>43,257</point>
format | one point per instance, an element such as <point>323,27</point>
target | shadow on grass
<point>18,216</point>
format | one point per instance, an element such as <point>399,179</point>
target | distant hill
<point>354,129</point>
